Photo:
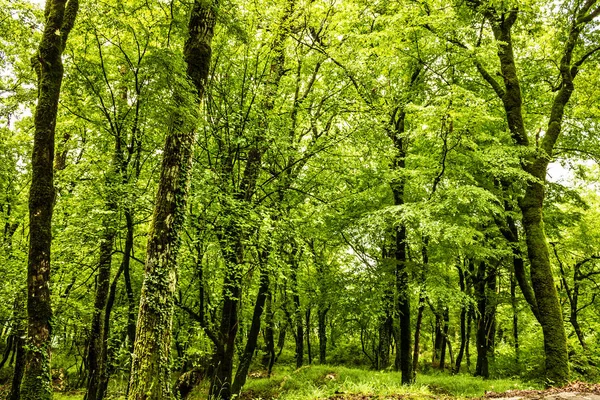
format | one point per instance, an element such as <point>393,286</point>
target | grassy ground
<point>319,382</point>
<point>325,382</point>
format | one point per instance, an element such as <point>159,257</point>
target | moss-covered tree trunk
<point>150,373</point>
<point>536,164</point>
<point>59,18</point>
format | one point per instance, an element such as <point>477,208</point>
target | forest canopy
<point>195,192</point>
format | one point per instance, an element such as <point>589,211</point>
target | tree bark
<point>60,17</point>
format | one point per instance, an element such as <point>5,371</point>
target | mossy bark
<point>60,17</point>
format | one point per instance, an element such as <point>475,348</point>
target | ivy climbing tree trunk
<point>150,374</point>
<point>59,18</point>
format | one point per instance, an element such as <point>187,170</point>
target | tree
<point>150,372</point>
<point>60,17</point>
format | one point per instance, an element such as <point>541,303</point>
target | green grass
<point>323,381</point>
<point>318,382</point>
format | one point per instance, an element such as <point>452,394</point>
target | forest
<point>299,199</point>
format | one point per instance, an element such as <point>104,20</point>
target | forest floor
<point>320,382</point>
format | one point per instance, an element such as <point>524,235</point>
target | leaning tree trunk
<point>60,18</point>
<point>150,374</point>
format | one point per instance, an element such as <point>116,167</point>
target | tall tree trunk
<point>234,235</point>
<point>60,18</point>
<point>403,307</point>
<point>150,374</point>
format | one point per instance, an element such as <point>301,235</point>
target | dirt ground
<point>574,391</point>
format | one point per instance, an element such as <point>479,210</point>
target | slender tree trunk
<point>245,360</point>
<point>396,133</point>
<point>445,315</point>
<point>308,346</point>
<point>297,308</point>
<point>281,339</point>
<point>418,325</point>
<point>96,355</point>
<point>234,235</point>
<point>131,305</point>
<point>322,317</point>
<point>60,18</point>
<point>515,309</point>
<point>403,307</point>
<point>269,333</point>
<point>19,345</point>
<point>463,322</point>
<point>104,371</point>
